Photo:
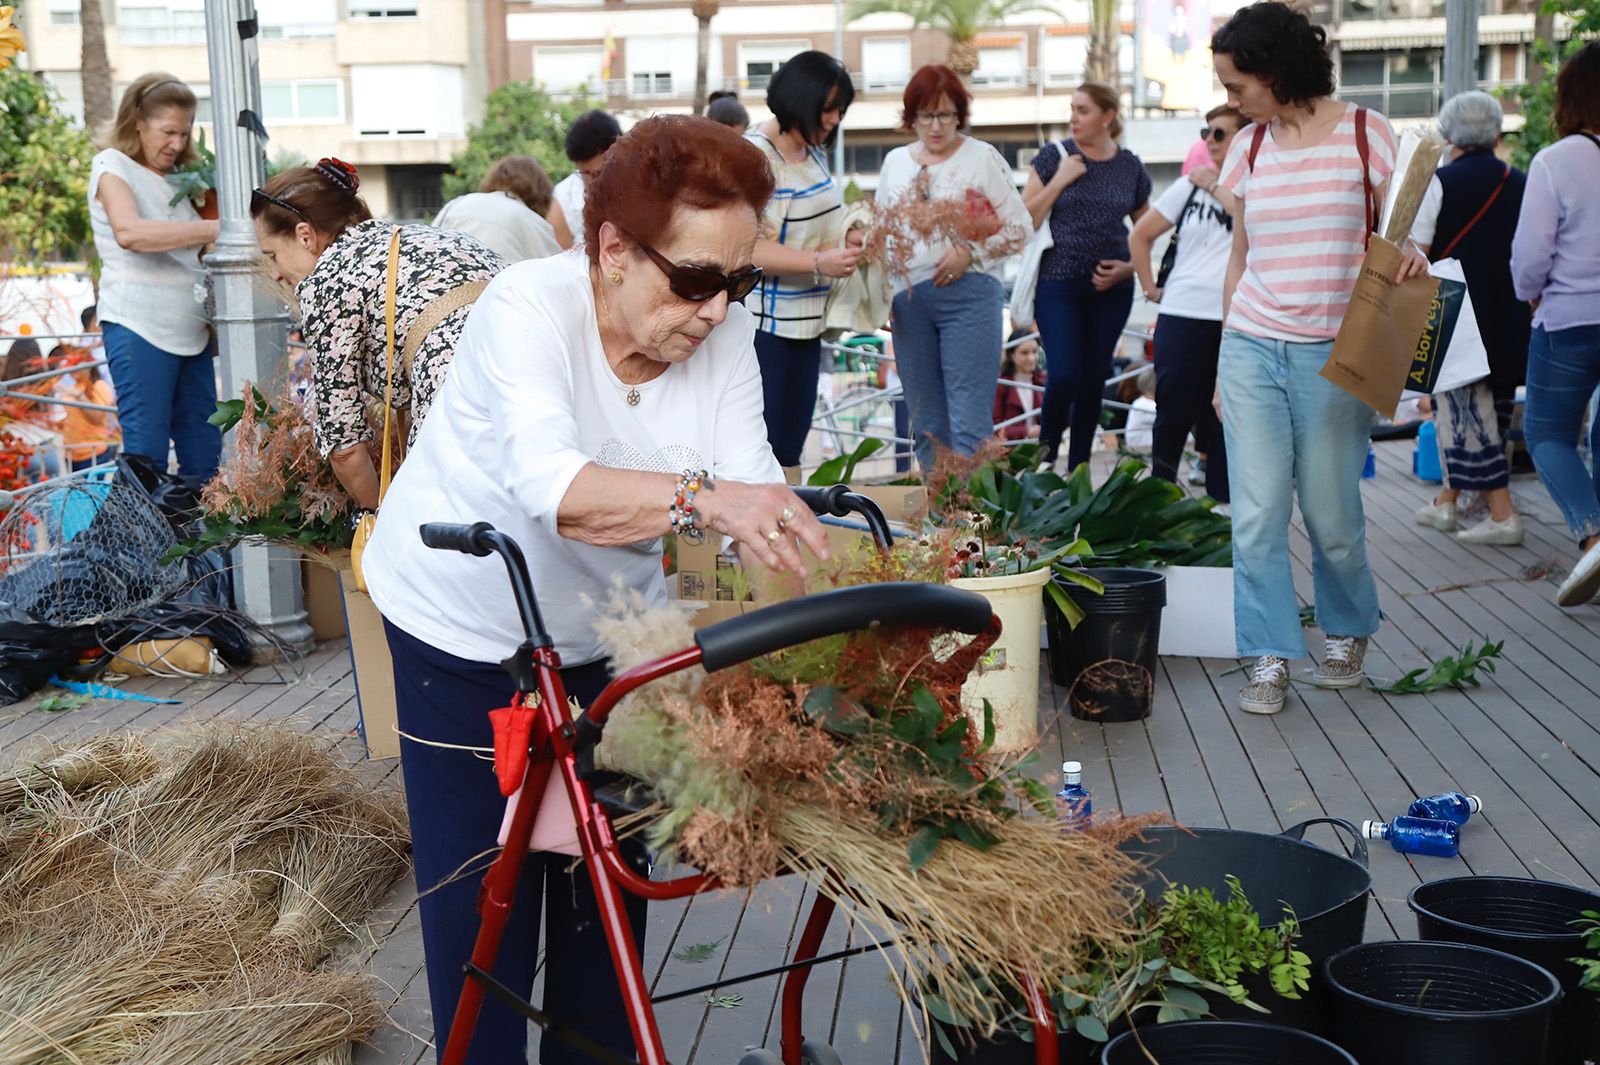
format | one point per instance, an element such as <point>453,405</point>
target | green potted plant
<point>197,181</point>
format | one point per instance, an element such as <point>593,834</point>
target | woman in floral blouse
<point>320,237</point>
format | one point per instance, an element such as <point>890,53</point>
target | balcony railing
<point>1377,10</point>
<point>1405,101</point>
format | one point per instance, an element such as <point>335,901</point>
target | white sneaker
<point>1441,516</point>
<point>1488,531</point>
<point>1225,509</point>
<point>1268,687</point>
<point>1583,582</point>
<point>1342,658</point>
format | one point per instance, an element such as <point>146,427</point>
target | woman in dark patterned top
<point>1086,281</point>
<point>320,237</point>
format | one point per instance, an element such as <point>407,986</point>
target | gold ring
<point>787,515</point>
<point>773,536</point>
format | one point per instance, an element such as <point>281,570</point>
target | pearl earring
<point>615,276</point>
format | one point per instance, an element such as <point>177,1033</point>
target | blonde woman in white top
<point>157,335</point>
<point>948,307</point>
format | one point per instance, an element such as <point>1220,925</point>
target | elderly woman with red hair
<point>948,305</point>
<point>592,393</point>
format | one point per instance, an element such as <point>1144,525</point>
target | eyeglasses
<point>936,118</point>
<point>1213,133</point>
<point>700,283</point>
<point>259,200</point>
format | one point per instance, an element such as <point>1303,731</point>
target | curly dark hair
<point>1282,47</point>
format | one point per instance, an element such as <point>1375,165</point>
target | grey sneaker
<point>1506,533</point>
<point>1441,516</point>
<point>1341,662</point>
<point>1269,685</point>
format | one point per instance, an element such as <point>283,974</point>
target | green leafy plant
<point>44,173</point>
<point>1221,940</point>
<point>695,953</point>
<point>194,180</point>
<point>1537,102</point>
<point>1451,671</point>
<point>1589,964</point>
<point>841,469</point>
<point>55,704</point>
<point>519,118</point>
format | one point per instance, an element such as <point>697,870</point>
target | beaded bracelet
<point>685,521</point>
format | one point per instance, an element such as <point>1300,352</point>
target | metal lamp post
<point>252,336</point>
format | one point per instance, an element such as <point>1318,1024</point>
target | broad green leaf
<point>924,845</point>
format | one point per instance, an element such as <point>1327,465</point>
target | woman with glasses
<point>1086,280</point>
<point>319,236</point>
<point>599,400</point>
<point>152,288</point>
<point>949,304</point>
<point>1189,290</point>
<point>804,247</point>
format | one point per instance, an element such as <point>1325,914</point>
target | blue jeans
<point>165,399</point>
<point>1079,329</point>
<point>1286,425</point>
<point>947,348</point>
<point>1563,371</point>
<point>789,371</point>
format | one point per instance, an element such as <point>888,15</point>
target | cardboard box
<point>324,601</point>
<point>906,503</point>
<point>374,671</point>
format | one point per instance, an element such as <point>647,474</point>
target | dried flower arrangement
<point>917,217</point>
<point>850,760</point>
<point>274,486</point>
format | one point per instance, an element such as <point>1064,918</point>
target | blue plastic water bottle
<point>1370,470</point>
<point>1425,462</point>
<point>1417,835</point>
<point>1451,806</point>
<point>1073,799</point>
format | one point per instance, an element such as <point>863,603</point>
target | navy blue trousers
<point>790,370</point>
<point>1079,329</point>
<point>455,806</point>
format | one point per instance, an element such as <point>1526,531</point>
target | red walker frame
<point>555,743</point>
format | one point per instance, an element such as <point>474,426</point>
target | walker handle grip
<point>829,613</point>
<point>468,539</point>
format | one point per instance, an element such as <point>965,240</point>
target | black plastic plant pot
<point>1450,1003</point>
<point>1327,891</point>
<point>1009,1049</point>
<point>1532,919</point>
<point>1108,663</point>
<point>1221,1043</point>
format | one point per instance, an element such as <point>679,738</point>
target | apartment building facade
<point>390,85</point>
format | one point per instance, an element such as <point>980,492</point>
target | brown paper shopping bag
<point>1377,341</point>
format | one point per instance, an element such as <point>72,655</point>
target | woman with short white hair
<point>1470,214</point>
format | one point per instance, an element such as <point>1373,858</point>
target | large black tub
<point>1532,919</point>
<point>1221,1043</point>
<point>1327,891</point>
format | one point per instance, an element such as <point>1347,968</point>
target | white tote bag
<point>1466,358</point>
<point>1027,282</point>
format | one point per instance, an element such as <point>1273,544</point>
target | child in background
<point>1140,435</point>
<point>88,434</point>
<point>1019,366</point>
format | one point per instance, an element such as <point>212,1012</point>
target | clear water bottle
<point>1073,799</point>
<point>1451,806</point>
<point>1417,835</point>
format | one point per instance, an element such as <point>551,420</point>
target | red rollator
<point>557,742</point>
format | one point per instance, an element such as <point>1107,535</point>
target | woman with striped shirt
<point>803,249</point>
<point>1309,176</point>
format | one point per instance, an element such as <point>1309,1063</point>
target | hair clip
<point>340,173</point>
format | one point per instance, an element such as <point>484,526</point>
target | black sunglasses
<point>1213,133</point>
<point>260,198</point>
<point>700,283</point>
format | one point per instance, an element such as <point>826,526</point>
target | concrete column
<point>1460,47</point>
<point>252,328</point>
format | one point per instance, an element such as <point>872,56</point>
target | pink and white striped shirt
<point>1306,224</point>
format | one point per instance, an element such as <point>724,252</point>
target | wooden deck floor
<point>1528,742</point>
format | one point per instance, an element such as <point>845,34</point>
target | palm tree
<point>96,66</point>
<point>704,12</point>
<point>1101,63</point>
<point>959,20</point>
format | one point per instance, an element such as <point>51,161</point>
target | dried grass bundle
<point>97,762</point>
<point>274,459</point>
<point>1414,186</point>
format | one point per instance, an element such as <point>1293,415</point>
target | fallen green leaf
<point>695,953</point>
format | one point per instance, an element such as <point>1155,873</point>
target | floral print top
<point>342,303</point>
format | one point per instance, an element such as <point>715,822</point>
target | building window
<point>285,19</point>
<point>758,61</point>
<point>407,100</point>
<point>416,192</point>
<point>664,66</point>
<point>368,9</point>
<point>1404,84</point>
<point>1064,58</point>
<point>175,23</point>
<point>64,12</point>
<point>886,62</point>
<point>302,101</point>
<point>568,70</point>
<point>1001,63</point>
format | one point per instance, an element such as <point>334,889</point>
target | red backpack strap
<point>1255,145</point>
<point>1364,152</point>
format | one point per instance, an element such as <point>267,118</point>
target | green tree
<point>519,118</point>
<point>1537,99</point>
<point>44,173</point>
<point>959,20</point>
